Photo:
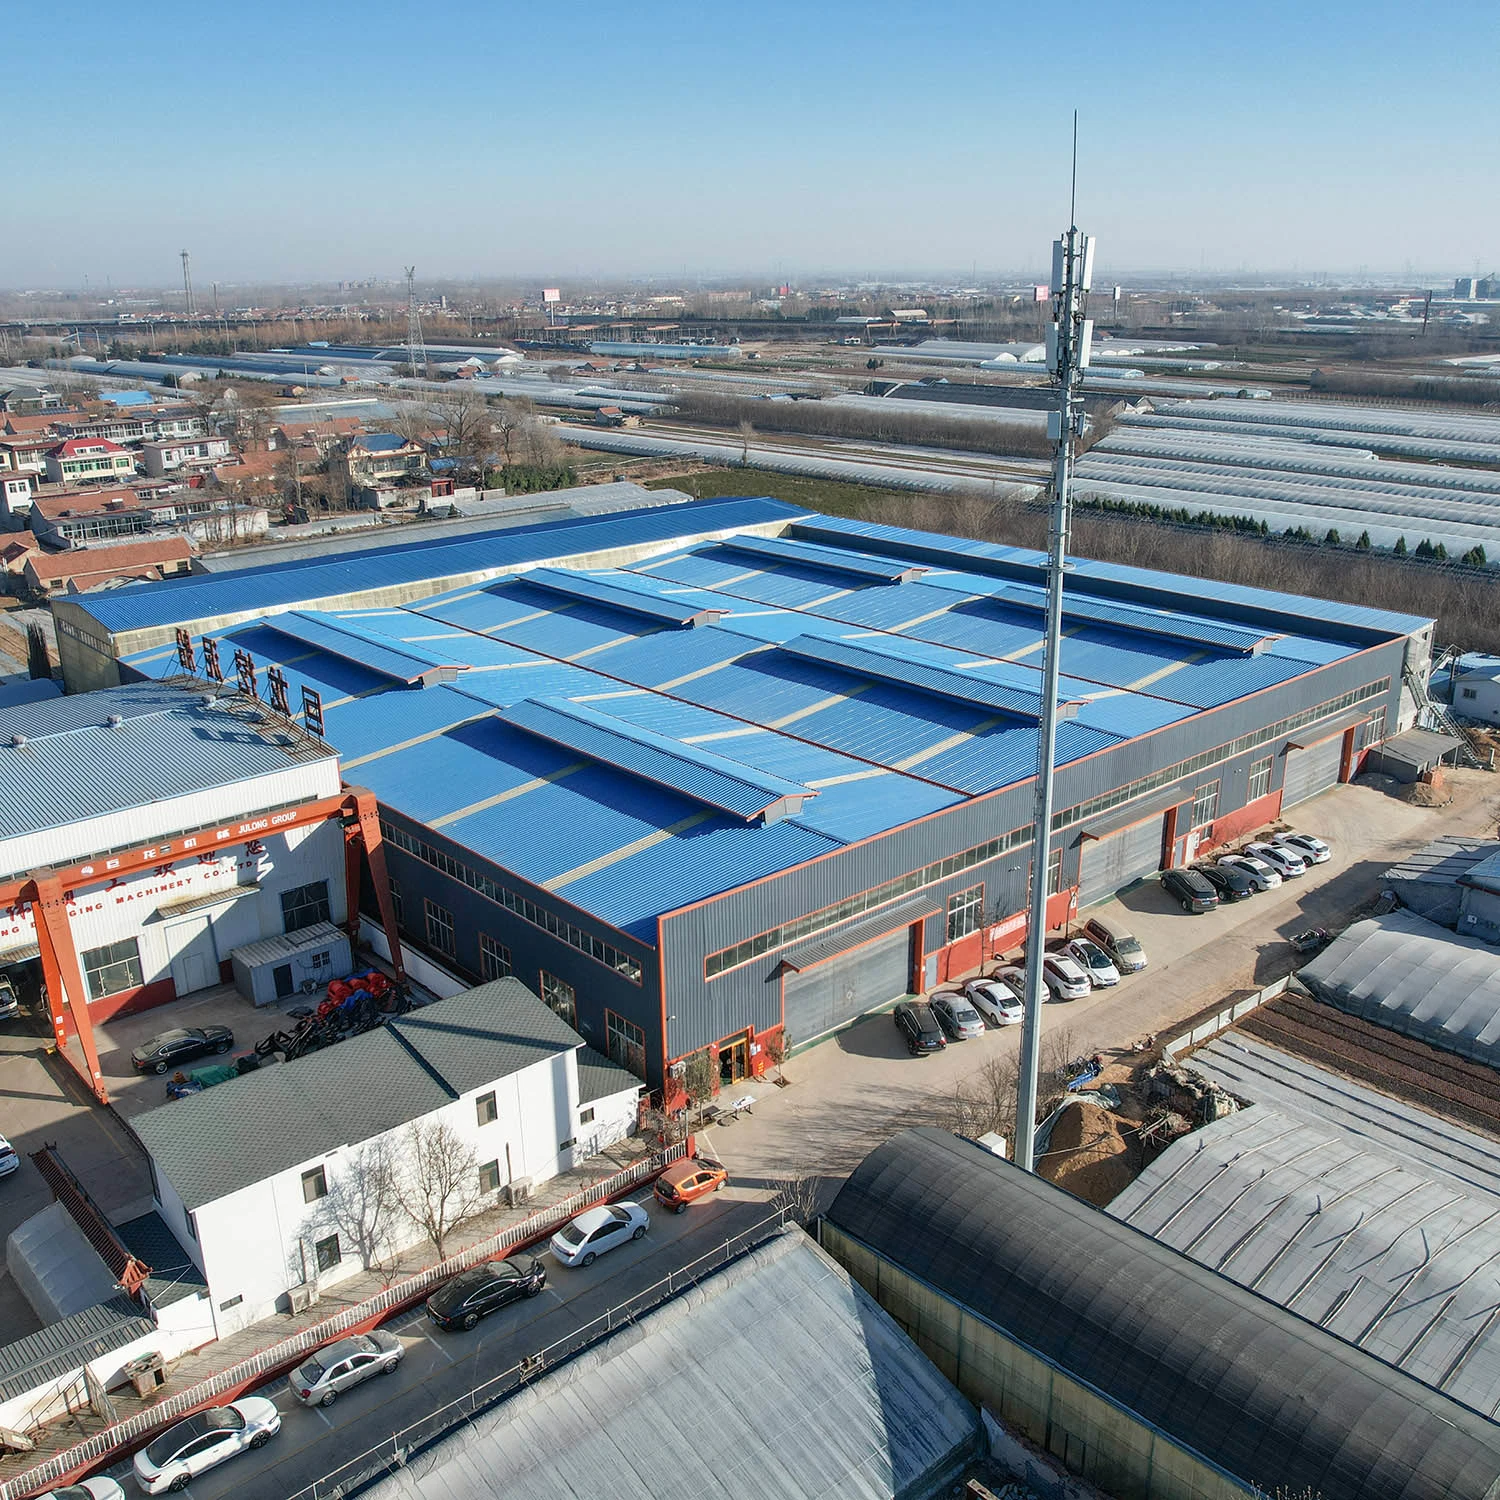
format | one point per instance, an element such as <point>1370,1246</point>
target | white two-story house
<point>278,1182</point>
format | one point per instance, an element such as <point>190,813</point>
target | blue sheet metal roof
<point>700,774</point>
<point>176,601</point>
<point>617,593</point>
<point>1231,601</point>
<point>984,684</point>
<point>342,638</point>
<point>780,550</point>
<point>381,442</point>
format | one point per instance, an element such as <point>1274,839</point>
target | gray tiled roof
<point>598,1077</point>
<point>173,1274</point>
<point>215,1143</point>
<point>486,1033</point>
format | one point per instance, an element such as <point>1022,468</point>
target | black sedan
<point>919,1028</point>
<point>472,1294</point>
<point>173,1048</point>
<point>1232,884</point>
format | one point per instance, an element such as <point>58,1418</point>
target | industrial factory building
<point>729,774</point>
<point>151,833</point>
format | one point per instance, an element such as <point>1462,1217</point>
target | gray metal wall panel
<point>531,950</point>
<point>834,993</point>
<point>1311,771</point>
<point>1108,864</point>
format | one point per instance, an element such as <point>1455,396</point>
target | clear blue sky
<point>333,140</point>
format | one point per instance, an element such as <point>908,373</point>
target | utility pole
<point>416,353</point>
<point>187,286</point>
<point>1068,343</point>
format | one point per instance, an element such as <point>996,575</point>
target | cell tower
<point>187,285</point>
<point>416,352</point>
<point>1068,343</point>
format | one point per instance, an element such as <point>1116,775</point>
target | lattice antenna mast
<point>187,285</point>
<point>416,351</point>
<point>1068,345</point>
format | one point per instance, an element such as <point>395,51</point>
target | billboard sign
<point>551,294</point>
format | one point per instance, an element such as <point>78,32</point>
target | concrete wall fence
<point>1092,1435</point>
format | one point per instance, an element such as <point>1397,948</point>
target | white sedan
<point>100,1487</point>
<point>1313,850</point>
<point>207,1438</point>
<point>996,1001</point>
<point>583,1240</point>
<point>1094,962</point>
<point>10,1158</point>
<point>1259,872</point>
<point>1285,861</point>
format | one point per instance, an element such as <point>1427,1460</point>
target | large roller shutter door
<point>1311,771</point>
<point>1115,861</point>
<point>845,987</point>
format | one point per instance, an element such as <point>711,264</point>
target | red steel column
<point>64,978</point>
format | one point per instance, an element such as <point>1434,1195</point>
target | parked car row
<point>1259,866</point>
<point>202,1441</point>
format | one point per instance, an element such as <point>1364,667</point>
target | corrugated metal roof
<point>978,682</point>
<point>826,559</point>
<point>61,1348</point>
<point>702,775</point>
<point>256,590</point>
<point>343,638</point>
<point>605,589</point>
<point>800,1384</point>
<point>212,1144</point>
<point>72,764</point>
<point>283,945</point>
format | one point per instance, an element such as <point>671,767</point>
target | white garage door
<point>1112,862</point>
<point>1311,771</point>
<point>847,986</point>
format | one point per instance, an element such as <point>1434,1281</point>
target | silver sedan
<point>324,1376</point>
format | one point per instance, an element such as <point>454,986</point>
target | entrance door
<point>195,965</point>
<point>734,1059</point>
<point>1311,771</point>
<point>1119,858</point>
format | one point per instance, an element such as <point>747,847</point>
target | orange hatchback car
<point>684,1181</point>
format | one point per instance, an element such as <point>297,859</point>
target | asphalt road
<point>443,1367</point>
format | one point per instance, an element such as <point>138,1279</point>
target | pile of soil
<point>1421,795</point>
<point>1090,1154</point>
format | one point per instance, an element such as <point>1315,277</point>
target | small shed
<point>295,963</point>
<point>1410,755</point>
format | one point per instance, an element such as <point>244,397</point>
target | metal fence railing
<point>121,1436</point>
<point>397,1450</point>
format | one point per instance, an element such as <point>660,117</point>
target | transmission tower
<point>1068,343</point>
<point>416,352</point>
<point>187,285</point>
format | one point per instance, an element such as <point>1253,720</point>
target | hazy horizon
<point>308,146</point>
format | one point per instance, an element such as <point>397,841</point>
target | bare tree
<point>361,1205</point>
<point>700,1079</point>
<point>464,415</point>
<point>438,1188</point>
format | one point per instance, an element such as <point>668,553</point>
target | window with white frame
<point>1260,779</point>
<point>440,927</point>
<point>1205,804</point>
<point>494,958</point>
<point>965,912</point>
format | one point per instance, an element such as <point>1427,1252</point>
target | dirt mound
<point>1421,795</point>
<point>1090,1155</point>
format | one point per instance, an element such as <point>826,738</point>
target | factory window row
<point>112,968</point>
<point>1168,774</point>
<point>528,911</point>
<point>832,916</point>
